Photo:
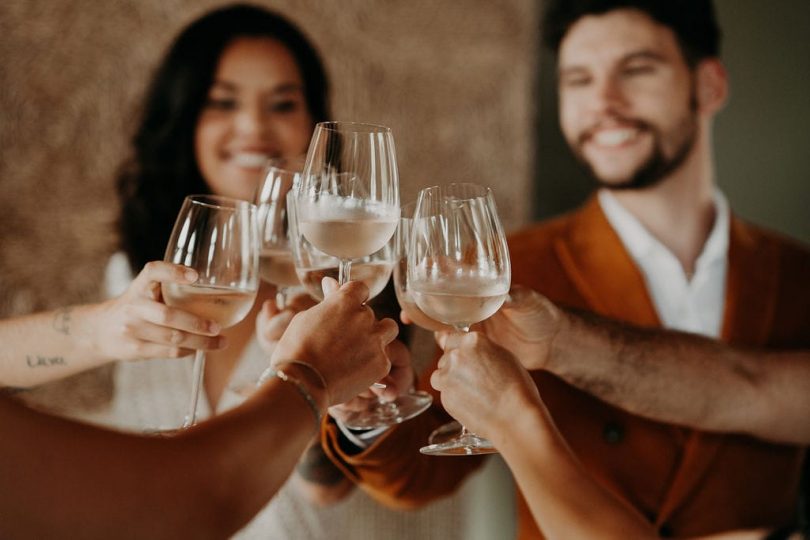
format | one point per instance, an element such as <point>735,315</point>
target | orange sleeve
<point>392,470</point>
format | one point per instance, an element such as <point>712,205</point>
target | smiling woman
<point>255,110</point>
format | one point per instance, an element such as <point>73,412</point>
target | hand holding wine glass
<point>348,347</point>
<point>217,237</point>
<point>482,384</point>
<point>458,271</point>
<point>137,325</point>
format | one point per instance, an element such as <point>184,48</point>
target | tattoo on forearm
<point>37,361</point>
<point>316,467</point>
<point>61,321</point>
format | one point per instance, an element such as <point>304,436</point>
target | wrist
<point>308,375</point>
<point>560,340</point>
<point>84,326</point>
<point>511,437</point>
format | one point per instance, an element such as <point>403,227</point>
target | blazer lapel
<point>751,281</point>
<point>596,261</point>
<point>751,287</point>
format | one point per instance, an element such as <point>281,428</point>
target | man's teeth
<point>614,137</point>
<point>252,160</point>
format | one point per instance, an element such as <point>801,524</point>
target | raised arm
<point>57,475</point>
<point>47,346</point>
<point>668,376</point>
<point>484,387</point>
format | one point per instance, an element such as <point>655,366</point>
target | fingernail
<point>214,328</point>
<point>190,275</point>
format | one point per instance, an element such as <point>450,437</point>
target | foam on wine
<point>375,275</point>
<point>277,268</point>
<point>224,305</point>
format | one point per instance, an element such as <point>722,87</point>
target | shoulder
<point>542,235</point>
<point>793,254</point>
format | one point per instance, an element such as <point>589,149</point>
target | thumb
<point>329,285</point>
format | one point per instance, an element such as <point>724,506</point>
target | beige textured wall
<point>453,79</point>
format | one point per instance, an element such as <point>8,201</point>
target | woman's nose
<point>251,121</point>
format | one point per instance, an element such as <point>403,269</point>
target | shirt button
<point>613,433</point>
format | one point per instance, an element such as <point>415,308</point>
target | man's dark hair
<point>692,21</point>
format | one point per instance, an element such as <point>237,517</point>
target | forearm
<point>564,500</point>
<point>58,476</point>
<point>319,480</point>
<point>686,379</point>
<point>47,346</point>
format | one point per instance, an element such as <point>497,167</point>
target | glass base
<point>163,432</point>
<point>384,414</point>
<point>451,440</point>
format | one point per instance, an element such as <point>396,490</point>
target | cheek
<point>206,138</point>
<point>568,119</point>
<point>294,134</point>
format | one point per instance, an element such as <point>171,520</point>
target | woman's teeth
<point>250,160</point>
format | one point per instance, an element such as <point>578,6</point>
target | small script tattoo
<point>61,321</point>
<point>38,361</point>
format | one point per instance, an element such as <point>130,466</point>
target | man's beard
<point>657,166</point>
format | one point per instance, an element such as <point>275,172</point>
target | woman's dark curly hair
<point>163,169</point>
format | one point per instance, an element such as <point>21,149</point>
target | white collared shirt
<point>692,305</point>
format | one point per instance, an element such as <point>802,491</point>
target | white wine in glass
<point>217,237</point>
<point>459,272</point>
<point>348,198</point>
<point>374,274</point>
<point>402,287</point>
<point>223,305</point>
<point>275,259</point>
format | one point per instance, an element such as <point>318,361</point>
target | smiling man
<point>640,82</point>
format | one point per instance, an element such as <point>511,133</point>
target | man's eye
<point>576,81</point>
<point>631,71</point>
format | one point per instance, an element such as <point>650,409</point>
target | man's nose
<point>608,96</point>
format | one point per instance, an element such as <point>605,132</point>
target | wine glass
<point>275,258</point>
<point>348,197</point>
<point>401,284</point>
<point>458,271</point>
<point>217,237</point>
<point>374,270</point>
<point>312,265</point>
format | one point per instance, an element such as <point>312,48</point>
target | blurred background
<point>465,85</point>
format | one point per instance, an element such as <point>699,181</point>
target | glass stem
<point>281,298</point>
<point>196,385</point>
<point>464,329</point>
<point>344,268</point>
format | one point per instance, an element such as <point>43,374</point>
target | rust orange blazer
<point>686,482</point>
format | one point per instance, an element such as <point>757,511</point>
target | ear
<point>712,85</point>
